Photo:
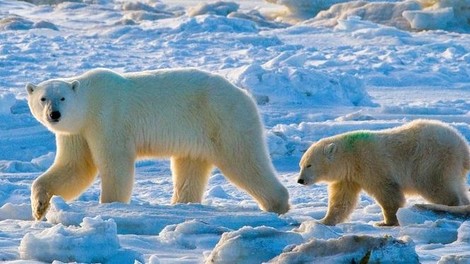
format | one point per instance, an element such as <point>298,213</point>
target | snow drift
<point>95,240</point>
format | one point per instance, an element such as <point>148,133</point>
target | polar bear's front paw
<point>40,201</point>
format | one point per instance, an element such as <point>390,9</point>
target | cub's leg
<point>447,195</point>
<point>448,187</point>
<point>390,198</point>
<point>342,198</point>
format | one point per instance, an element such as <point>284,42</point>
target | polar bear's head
<point>56,105</point>
<point>317,164</point>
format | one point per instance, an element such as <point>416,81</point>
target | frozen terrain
<point>315,67</point>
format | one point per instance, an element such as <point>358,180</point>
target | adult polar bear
<point>103,121</point>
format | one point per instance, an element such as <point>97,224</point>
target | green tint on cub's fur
<point>352,138</point>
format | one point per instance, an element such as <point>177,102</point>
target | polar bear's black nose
<point>301,181</point>
<point>54,115</point>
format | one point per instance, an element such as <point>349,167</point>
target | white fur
<point>423,157</point>
<point>108,120</point>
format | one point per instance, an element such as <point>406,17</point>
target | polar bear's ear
<point>330,150</point>
<point>75,84</point>
<point>30,88</point>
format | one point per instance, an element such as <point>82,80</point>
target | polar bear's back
<point>430,133</point>
<point>152,85</point>
<point>422,147</point>
<point>180,111</point>
<point>191,93</point>
<point>173,90</point>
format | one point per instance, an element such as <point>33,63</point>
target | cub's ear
<point>75,84</point>
<point>330,150</point>
<point>30,88</point>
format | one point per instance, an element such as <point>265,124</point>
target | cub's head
<point>318,162</point>
<point>56,105</point>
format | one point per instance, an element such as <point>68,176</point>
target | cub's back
<point>425,138</point>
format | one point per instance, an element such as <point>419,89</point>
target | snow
<point>217,8</point>
<point>406,14</point>
<point>351,249</point>
<point>302,9</point>
<point>242,246</point>
<point>315,68</point>
<point>94,240</point>
<point>7,100</point>
<point>442,232</point>
<point>464,232</point>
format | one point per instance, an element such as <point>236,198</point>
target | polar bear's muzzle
<point>302,179</point>
<point>305,178</point>
<point>53,116</point>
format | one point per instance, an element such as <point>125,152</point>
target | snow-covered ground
<point>356,65</point>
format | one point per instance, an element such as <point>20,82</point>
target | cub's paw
<point>329,221</point>
<point>385,224</point>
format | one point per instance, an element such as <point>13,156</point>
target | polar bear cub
<point>104,121</point>
<point>422,157</point>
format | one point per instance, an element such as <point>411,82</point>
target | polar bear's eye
<point>309,165</point>
<point>43,99</point>
<point>62,99</point>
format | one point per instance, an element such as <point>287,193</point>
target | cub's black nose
<point>55,115</point>
<point>301,181</point>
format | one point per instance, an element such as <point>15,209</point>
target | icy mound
<point>95,240</point>
<point>454,259</point>
<point>38,164</point>
<point>138,11</point>
<point>438,107</point>
<point>16,211</point>
<point>15,166</point>
<point>12,196</point>
<point>429,19</point>
<point>231,10</point>
<point>61,213</point>
<point>57,2</point>
<point>243,245</point>
<point>209,23</point>
<point>385,13</point>
<point>407,15</point>
<point>283,79</point>
<point>352,249</point>
<point>45,161</point>
<point>304,9</point>
<point>422,213</point>
<point>314,229</point>
<point>19,23</point>
<point>463,239</point>
<point>217,8</point>
<point>192,234</point>
<point>49,2</point>
<point>464,232</point>
<point>411,216</point>
<point>441,231</point>
<point>7,100</point>
<point>440,14</point>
